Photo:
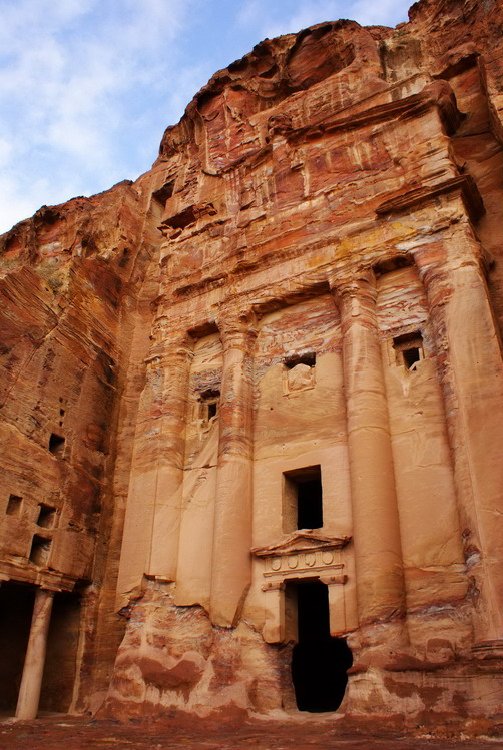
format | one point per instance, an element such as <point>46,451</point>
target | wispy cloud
<point>87,86</point>
<point>74,83</point>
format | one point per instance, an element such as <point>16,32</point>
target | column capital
<point>47,590</point>
<point>175,344</point>
<point>357,286</point>
<point>237,327</point>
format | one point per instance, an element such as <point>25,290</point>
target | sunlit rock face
<point>252,402</point>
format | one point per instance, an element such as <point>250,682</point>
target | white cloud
<point>73,74</point>
<point>87,86</point>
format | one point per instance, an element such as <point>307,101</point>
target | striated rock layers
<point>252,402</point>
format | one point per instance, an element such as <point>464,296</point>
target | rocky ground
<point>55,732</point>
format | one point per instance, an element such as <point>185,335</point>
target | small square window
<point>56,445</point>
<point>46,517</point>
<point>40,549</point>
<point>408,349</point>
<point>14,506</point>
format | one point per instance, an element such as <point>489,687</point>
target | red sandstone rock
<point>292,321</point>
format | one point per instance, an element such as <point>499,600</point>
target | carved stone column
<point>231,563</point>
<point>34,661</point>
<point>170,459</point>
<point>471,371</point>
<point>376,532</point>
<point>150,539</point>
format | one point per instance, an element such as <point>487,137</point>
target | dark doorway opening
<point>310,504</point>
<point>16,609</point>
<point>61,656</point>
<point>319,662</point>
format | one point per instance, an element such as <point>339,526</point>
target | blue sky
<point>88,86</point>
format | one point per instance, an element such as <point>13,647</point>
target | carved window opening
<point>208,406</point>
<point>409,349</point>
<point>56,445</point>
<point>46,516</point>
<point>303,499</point>
<point>40,549</point>
<point>14,506</point>
<point>319,662</point>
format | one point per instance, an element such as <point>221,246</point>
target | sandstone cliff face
<point>266,377</point>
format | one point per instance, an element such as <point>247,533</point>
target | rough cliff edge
<point>305,289</point>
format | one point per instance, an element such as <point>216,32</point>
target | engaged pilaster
<point>231,564</point>
<point>472,379</point>
<point>376,532</point>
<point>171,448</point>
<point>152,521</point>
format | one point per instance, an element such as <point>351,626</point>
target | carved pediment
<point>301,541</point>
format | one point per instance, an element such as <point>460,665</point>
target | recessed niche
<point>302,499</point>
<point>408,349</point>
<point>208,406</point>
<point>299,373</point>
<point>56,445</point>
<point>394,263</point>
<point>307,358</point>
<point>14,506</point>
<point>163,193</point>
<point>46,516</point>
<point>40,549</point>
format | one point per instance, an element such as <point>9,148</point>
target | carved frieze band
<point>301,555</point>
<point>303,562</point>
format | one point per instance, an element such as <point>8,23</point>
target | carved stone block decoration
<point>303,554</point>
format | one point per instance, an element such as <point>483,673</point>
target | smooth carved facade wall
<point>276,370</point>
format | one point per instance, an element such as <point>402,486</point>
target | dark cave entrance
<point>16,610</point>
<point>319,661</point>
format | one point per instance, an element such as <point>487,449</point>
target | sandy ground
<point>58,732</point>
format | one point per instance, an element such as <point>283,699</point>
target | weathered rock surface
<point>261,389</point>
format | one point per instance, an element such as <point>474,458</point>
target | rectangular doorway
<point>319,661</point>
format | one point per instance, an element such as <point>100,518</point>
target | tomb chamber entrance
<point>319,661</point>
<point>17,607</point>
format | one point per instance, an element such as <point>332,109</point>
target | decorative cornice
<point>463,183</point>
<point>45,579</point>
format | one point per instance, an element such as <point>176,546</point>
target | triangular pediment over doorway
<point>302,541</point>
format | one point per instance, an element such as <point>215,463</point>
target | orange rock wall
<point>241,315</point>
